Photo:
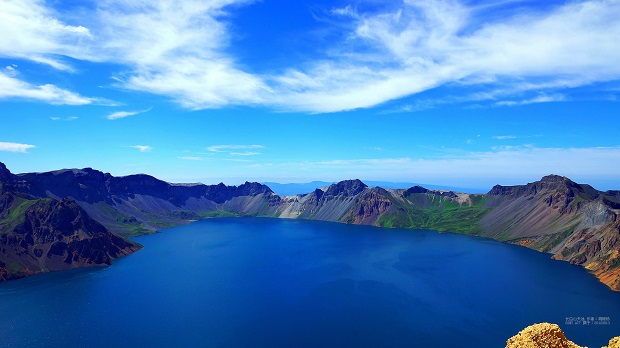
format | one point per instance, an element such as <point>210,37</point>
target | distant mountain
<point>573,222</point>
<point>296,188</point>
<point>404,185</point>
<point>301,188</point>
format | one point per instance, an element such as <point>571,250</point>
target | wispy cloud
<point>181,50</point>
<point>344,11</point>
<point>425,44</point>
<point>237,150</point>
<point>177,49</point>
<point>141,148</point>
<point>122,114</point>
<point>15,147</point>
<point>68,118</point>
<point>12,87</point>
<point>510,137</point>
<point>543,98</point>
<point>37,34</point>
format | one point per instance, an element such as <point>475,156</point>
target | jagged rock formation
<point>613,343</point>
<point>546,335</point>
<point>543,335</point>
<point>571,221</point>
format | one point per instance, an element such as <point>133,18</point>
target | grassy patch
<point>17,214</point>
<point>436,213</point>
<point>218,213</point>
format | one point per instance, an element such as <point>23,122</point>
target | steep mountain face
<point>328,205</point>
<point>41,234</point>
<point>138,204</point>
<point>573,222</point>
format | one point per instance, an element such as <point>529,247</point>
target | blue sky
<point>462,93</point>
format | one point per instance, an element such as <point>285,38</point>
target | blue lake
<point>252,282</point>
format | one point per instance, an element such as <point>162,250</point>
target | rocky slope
<point>573,222</point>
<point>41,235</point>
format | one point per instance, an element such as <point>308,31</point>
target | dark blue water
<point>271,283</point>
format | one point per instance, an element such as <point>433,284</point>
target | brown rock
<point>614,343</point>
<point>543,335</point>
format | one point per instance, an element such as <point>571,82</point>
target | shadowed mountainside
<point>39,235</point>
<point>138,204</point>
<point>573,222</point>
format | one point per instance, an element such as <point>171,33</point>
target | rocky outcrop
<point>546,335</point>
<point>613,343</point>
<point>5,174</point>
<point>368,207</point>
<point>543,335</point>
<point>48,235</point>
<point>347,188</point>
<point>420,189</point>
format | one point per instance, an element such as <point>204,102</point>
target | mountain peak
<point>554,178</point>
<point>5,174</point>
<point>346,187</point>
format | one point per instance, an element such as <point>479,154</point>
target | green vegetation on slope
<point>436,213</point>
<point>16,214</point>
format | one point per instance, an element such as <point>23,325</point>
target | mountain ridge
<point>573,222</point>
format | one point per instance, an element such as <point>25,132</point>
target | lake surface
<point>252,282</point>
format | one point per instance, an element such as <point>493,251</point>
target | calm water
<point>267,282</point>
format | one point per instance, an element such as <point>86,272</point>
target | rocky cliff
<point>41,235</point>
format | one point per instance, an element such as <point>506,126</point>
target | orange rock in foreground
<point>542,335</point>
<point>545,335</point>
<point>614,342</point>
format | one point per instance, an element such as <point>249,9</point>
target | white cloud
<point>237,150</point>
<point>167,47</point>
<point>176,49</point>
<point>11,87</point>
<point>424,44</point>
<point>122,114</point>
<point>179,49</point>
<point>15,147</point>
<point>32,31</point>
<point>68,118</point>
<point>543,98</point>
<point>344,11</point>
<point>142,148</point>
<point>505,137</point>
